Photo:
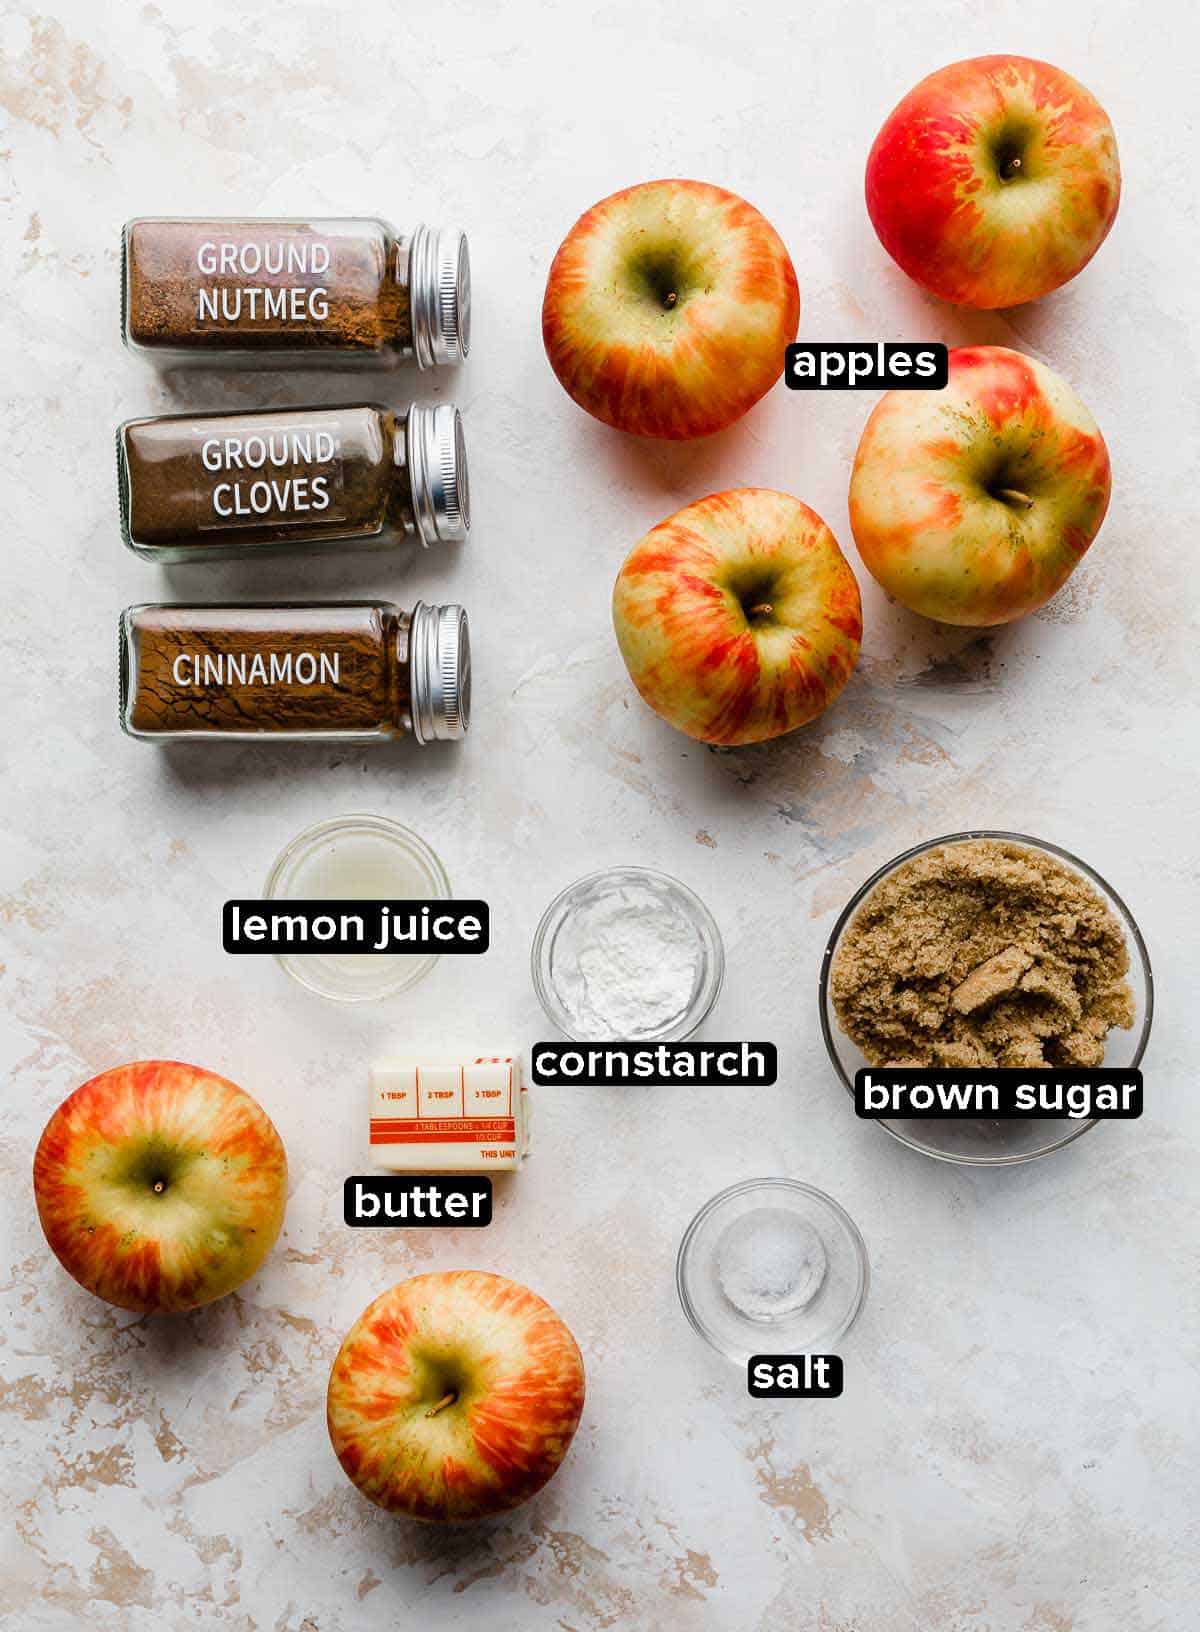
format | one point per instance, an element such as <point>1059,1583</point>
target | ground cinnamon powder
<point>337,670</point>
<point>982,953</point>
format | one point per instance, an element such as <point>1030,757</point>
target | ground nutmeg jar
<point>337,291</point>
<point>204,487</point>
<point>357,670</point>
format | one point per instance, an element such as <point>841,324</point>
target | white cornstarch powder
<point>626,963</point>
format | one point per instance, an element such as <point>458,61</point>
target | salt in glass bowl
<point>993,1142</point>
<point>808,1314</point>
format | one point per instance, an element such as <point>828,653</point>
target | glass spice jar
<point>208,487</point>
<point>257,292</point>
<point>350,670</point>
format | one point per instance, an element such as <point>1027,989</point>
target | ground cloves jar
<point>339,291</point>
<point>205,487</point>
<point>349,670</point>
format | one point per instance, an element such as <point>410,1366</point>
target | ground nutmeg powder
<point>347,291</point>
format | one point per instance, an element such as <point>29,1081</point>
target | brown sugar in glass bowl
<point>978,950</point>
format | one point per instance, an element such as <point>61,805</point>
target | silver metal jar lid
<point>439,645</point>
<point>439,292</point>
<point>436,452</point>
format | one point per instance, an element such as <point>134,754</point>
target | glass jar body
<point>333,291</point>
<point>208,487</point>
<point>300,671</point>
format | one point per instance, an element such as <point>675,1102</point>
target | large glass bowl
<point>976,1141</point>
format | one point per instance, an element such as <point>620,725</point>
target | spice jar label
<point>262,475</point>
<point>795,1376</point>
<point>210,284</point>
<point>1080,1093</point>
<point>256,669</point>
<point>270,279</point>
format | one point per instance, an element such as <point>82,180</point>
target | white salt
<point>770,1263</point>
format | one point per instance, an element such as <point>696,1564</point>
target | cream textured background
<point>1016,1451</point>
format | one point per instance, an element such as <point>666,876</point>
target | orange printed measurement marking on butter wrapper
<point>448,1117</point>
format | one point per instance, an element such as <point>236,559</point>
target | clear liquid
<point>359,867</point>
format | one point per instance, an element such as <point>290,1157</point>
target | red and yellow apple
<point>454,1396</point>
<point>994,181</point>
<point>668,309</point>
<point>160,1186</point>
<point>974,504</point>
<point>738,617</point>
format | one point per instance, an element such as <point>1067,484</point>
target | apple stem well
<point>446,1399</point>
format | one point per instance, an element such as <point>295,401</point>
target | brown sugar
<point>982,953</point>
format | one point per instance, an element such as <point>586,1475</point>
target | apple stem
<point>670,300</point>
<point>762,610</point>
<point>1011,167</point>
<point>446,1399</point>
<point>159,1187</point>
<point>1013,495</point>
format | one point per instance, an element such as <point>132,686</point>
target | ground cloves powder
<point>213,486</point>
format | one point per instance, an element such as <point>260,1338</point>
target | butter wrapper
<point>461,1116</point>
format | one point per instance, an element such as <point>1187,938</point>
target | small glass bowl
<point>813,1326</point>
<point>974,1141</point>
<point>547,947</point>
<point>358,977</point>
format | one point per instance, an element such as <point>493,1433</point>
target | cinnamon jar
<point>205,487</point>
<point>355,670</point>
<point>259,292</point>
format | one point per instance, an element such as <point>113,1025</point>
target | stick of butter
<point>465,1116</point>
